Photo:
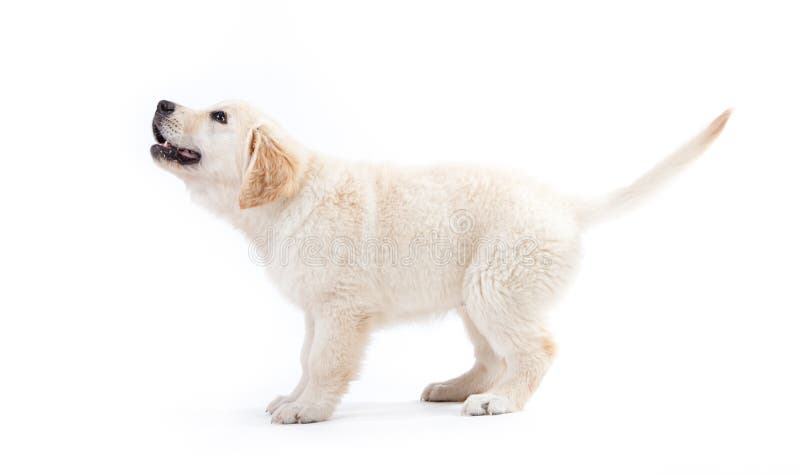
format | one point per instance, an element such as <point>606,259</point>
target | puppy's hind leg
<point>506,307</point>
<point>487,369</point>
<point>528,356</point>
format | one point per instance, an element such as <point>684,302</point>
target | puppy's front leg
<point>333,361</point>
<point>301,385</point>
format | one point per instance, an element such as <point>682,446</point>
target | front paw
<point>301,413</point>
<point>276,403</point>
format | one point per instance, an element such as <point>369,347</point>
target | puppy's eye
<point>220,117</point>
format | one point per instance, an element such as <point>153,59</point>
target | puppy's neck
<point>275,217</point>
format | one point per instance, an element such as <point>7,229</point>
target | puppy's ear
<point>273,171</point>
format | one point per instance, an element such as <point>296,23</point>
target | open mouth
<point>166,151</point>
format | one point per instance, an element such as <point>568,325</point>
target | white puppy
<point>360,246</point>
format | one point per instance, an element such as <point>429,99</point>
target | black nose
<point>166,107</point>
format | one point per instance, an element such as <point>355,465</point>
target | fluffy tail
<point>628,197</point>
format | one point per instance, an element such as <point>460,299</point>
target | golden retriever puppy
<point>357,247</point>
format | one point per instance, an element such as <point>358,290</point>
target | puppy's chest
<point>324,256</point>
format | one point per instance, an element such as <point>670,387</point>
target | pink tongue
<point>187,153</point>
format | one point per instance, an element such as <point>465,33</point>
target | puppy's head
<point>229,146</point>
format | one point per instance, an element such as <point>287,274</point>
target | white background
<point>137,337</point>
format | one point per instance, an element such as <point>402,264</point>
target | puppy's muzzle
<point>163,150</point>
